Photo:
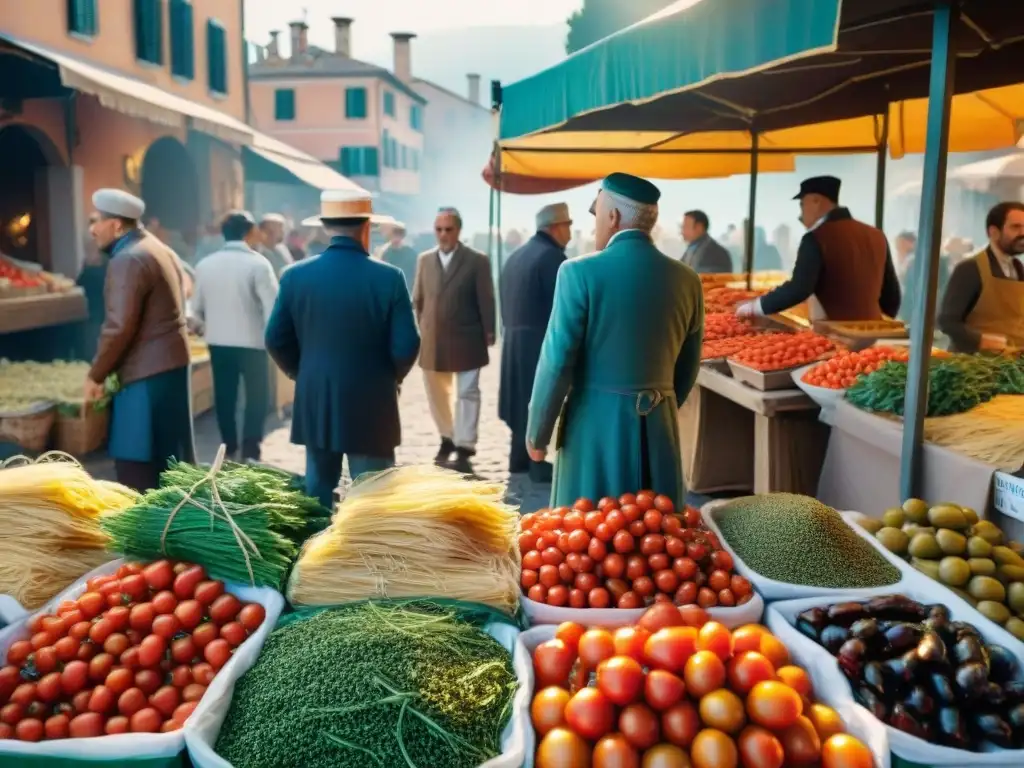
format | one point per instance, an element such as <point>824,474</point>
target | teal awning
<point>677,49</point>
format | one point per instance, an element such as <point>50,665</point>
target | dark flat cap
<point>826,186</point>
<point>632,188</point>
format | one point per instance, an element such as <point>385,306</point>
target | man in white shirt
<point>453,297</point>
<point>234,294</point>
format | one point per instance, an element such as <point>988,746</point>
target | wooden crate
<point>83,433</point>
<point>202,387</point>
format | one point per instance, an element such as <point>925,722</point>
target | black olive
<point>1003,666</point>
<point>833,637</point>
<point>1014,691</point>
<point>931,649</point>
<point>896,608</point>
<point>901,670</point>
<point>994,696</point>
<point>865,629</point>
<point>902,637</point>
<point>968,650</point>
<point>902,719</point>
<point>816,617</point>
<point>1015,717</point>
<point>942,688</point>
<point>938,611</point>
<point>972,680</point>
<point>953,728</point>
<point>993,728</point>
<point>920,701</point>
<point>874,675</point>
<point>846,614</point>
<point>871,701</point>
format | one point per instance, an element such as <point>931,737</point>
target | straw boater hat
<point>342,204</point>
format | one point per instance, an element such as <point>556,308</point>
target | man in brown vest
<point>843,264</point>
<point>983,308</point>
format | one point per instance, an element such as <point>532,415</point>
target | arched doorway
<point>170,189</point>
<point>25,153</point>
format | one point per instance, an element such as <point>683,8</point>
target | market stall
<point>32,299</point>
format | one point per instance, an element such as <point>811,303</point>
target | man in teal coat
<point>620,355</point>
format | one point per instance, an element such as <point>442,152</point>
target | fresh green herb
<point>243,524</point>
<point>955,384</point>
<point>405,683</point>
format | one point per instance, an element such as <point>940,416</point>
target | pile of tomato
<point>717,349</point>
<point>626,553</point>
<point>721,298</point>
<point>18,277</point>
<point>779,351</point>
<point>133,654</point>
<point>842,370</point>
<point>680,691</point>
<point>725,325</point>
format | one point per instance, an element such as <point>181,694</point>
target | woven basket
<point>30,431</point>
<point>83,433</point>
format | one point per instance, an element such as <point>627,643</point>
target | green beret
<point>632,188</point>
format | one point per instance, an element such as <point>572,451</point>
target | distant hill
<point>495,53</point>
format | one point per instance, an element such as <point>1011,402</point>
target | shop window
<point>217,56</point>
<point>389,103</point>
<point>149,31</point>
<point>183,56</point>
<point>82,18</point>
<point>416,117</point>
<point>284,104</point>
<point>355,103</point>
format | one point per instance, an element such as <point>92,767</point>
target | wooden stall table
<point>202,385</point>
<point>737,438</point>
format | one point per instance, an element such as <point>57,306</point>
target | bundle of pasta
<point>49,527</point>
<point>414,532</point>
<point>992,432</point>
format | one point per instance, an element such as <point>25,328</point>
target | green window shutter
<point>346,161</point>
<point>371,161</point>
<point>216,56</point>
<point>149,31</point>
<point>386,144</point>
<point>416,117</point>
<point>183,55</point>
<point>355,103</point>
<point>389,103</point>
<point>82,18</point>
<point>284,104</point>
<point>405,156</point>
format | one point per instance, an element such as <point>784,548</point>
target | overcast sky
<point>374,19</point>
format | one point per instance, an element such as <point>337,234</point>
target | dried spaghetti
<point>412,532</point>
<point>49,527</point>
<point>992,432</point>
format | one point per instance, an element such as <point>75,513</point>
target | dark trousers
<point>518,459</point>
<point>140,476</point>
<point>250,367</point>
<point>323,471</point>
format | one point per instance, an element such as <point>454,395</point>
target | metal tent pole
<point>748,250</point>
<point>933,188</point>
<point>881,167</point>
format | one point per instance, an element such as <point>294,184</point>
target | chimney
<point>342,36</point>
<point>273,49</point>
<point>474,88</point>
<point>300,31</point>
<point>403,55</point>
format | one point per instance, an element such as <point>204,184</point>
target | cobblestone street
<point>419,440</point>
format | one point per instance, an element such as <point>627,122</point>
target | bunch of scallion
<point>388,684</point>
<point>241,523</point>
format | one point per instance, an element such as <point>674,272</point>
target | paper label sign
<point>1008,494</point>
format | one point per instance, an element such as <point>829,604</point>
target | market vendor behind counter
<point>983,307</point>
<point>843,264</point>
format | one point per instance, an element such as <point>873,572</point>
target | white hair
<point>633,215</point>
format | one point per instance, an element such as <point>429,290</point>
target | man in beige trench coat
<point>454,302</point>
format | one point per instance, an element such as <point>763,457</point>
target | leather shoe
<point>444,453</point>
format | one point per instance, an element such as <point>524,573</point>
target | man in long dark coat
<point>527,293</point>
<point>343,329</point>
